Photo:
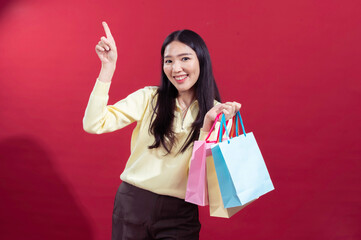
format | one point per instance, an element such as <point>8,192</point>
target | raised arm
<point>99,117</point>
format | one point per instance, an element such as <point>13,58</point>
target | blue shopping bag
<point>226,186</point>
<point>239,161</point>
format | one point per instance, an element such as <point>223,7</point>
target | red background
<point>294,65</point>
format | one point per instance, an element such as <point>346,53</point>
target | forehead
<point>176,48</point>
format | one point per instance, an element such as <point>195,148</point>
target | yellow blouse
<point>149,169</point>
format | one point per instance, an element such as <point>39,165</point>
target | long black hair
<point>206,92</point>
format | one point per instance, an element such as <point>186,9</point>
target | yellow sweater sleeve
<point>101,118</point>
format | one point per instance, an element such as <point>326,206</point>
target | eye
<point>185,59</point>
<point>167,61</point>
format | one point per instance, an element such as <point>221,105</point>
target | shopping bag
<point>242,158</point>
<point>197,191</point>
<point>197,185</point>
<point>227,188</point>
<point>216,206</point>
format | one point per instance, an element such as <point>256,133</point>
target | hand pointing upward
<point>106,48</point>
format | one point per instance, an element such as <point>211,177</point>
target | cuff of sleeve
<point>202,135</point>
<point>101,88</point>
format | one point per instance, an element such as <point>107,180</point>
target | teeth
<point>180,77</point>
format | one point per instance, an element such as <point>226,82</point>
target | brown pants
<point>141,214</point>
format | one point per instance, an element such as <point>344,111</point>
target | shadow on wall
<point>34,202</point>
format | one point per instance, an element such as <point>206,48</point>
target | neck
<point>185,99</point>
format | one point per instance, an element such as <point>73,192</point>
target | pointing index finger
<point>107,30</point>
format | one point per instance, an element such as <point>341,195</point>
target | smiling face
<point>181,66</point>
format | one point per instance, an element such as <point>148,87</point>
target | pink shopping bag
<point>197,185</point>
<point>197,189</point>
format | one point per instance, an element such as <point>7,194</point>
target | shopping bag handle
<point>223,124</point>
<point>238,118</point>
<point>210,131</point>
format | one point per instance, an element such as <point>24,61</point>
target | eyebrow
<point>179,55</point>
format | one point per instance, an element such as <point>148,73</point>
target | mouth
<point>180,78</point>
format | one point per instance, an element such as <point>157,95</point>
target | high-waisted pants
<point>141,214</point>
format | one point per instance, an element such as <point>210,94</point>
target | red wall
<point>294,65</point>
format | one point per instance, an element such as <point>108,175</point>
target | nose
<point>177,66</point>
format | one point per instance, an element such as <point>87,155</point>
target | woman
<point>150,202</point>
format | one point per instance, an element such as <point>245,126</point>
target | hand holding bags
<point>225,195</point>
<point>241,171</point>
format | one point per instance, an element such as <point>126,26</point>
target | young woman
<point>149,203</point>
